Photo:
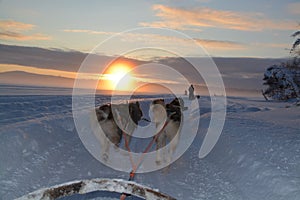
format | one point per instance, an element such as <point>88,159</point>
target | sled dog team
<point>121,120</point>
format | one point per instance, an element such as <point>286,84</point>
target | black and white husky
<point>116,120</point>
<point>167,119</point>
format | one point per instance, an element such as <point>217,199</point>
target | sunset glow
<point>40,50</point>
<point>119,77</point>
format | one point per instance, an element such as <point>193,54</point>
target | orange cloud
<point>88,31</point>
<point>21,37</point>
<point>15,26</point>
<point>13,30</point>
<point>161,39</point>
<point>219,44</point>
<point>193,19</point>
<point>35,70</point>
<point>272,45</point>
<point>209,44</point>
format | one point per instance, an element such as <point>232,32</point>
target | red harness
<point>135,166</point>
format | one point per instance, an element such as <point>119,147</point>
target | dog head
<point>104,112</point>
<point>158,101</point>
<point>158,111</point>
<point>174,109</point>
<point>177,102</point>
<point>124,112</point>
<point>135,112</point>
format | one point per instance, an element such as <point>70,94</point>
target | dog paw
<point>158,162</point>
<point>105,157</point>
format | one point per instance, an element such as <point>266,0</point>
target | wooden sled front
<point>93,185</point>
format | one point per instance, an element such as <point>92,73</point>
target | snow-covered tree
<point>295,48</point>
<point>283,80</point>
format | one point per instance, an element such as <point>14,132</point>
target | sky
<point>256,29</point>
<point>226,28</point>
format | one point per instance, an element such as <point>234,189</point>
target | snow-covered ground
<point>256,157</point>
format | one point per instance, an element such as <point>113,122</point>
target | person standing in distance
<point>191,92</point>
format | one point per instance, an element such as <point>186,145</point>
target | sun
<point>117,72</point>
<point>119,76</point>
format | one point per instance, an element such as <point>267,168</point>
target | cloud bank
<point>13,30</point>
<point>197,18</point>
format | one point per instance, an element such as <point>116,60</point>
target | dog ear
<point>137,103</point>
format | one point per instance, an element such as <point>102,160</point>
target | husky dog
<point>114,120</point>
<point>128,116</point>
<point>167,118</point>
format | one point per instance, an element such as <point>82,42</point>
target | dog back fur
<point>114,120</point>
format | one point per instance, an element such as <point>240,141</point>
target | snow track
<point>257,156</point>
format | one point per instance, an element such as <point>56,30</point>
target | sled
<point>93,185</point>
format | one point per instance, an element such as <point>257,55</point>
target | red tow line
<point>135,166</point>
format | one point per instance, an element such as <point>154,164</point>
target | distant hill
<point>25,78</point>
<point>240,75</point>
<point>58,59</point>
